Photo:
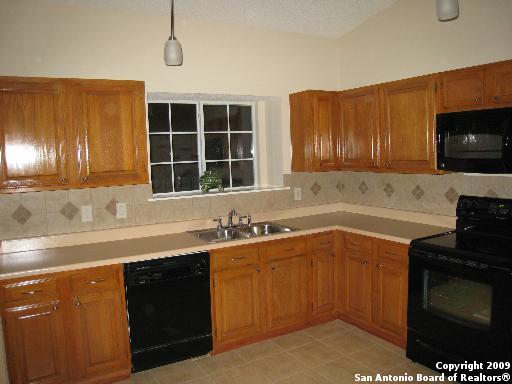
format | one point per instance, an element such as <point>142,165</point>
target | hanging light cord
<point>172,20</point>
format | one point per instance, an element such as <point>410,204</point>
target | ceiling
<point>326,18</point>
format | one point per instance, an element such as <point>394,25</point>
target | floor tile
<point>259,350</point>
<point>308,377</point>
<point>331,328</point>
<point>392,347</point>
<point>178,372</point>
<point>314,354</point>
<point>145,377</point>
<point>244,374</point>
<point>348,342</point>
<point>378,358</point>
<point>293,340</point>
<point>279,366</point>
<point>221,362</point>
<point>412,369</point>
<point>343,370</point>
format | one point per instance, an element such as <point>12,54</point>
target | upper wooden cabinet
<point>109,117</point>
<point>70,133</point>
<point>480,87</point>
<point>33,134</point>
<point>358,112</point>
<point>314,131</point>
<point>407,125</point>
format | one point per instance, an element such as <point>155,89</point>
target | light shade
<point>173,54</point>
<point>447,9</point>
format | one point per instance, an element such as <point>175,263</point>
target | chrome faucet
<point>230,217</point>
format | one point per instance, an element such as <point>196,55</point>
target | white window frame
<point>201,144</point>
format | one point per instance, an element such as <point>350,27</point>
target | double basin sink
<point>241,232</point>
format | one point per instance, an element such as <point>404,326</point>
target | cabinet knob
<point>77,302</point>
<point>258,269</point>
<point>273,267</point>
<point>85,179</point>
<point>365,262</point>
<point>64,180</point>
<point>476,99</point>
<point>379,265</point>
<point>388,165</point>
<point>55,306</point>
<point>496,98</point>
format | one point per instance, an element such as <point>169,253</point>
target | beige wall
<point>406,40</point>
<point>43,39</point>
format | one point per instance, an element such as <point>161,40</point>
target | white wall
<point>46,39</point>
<point>406,40</point>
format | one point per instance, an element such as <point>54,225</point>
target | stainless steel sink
<point>241,232</point>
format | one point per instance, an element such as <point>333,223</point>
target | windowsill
<point>184,195</point>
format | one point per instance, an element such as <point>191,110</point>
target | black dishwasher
<point>168,303</point>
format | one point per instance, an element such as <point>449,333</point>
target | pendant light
<point>447,9</point>
<point>173,54</point>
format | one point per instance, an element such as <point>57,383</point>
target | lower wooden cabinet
<point>68,327</point>
<point>324,274</point>
<point>375,286</point>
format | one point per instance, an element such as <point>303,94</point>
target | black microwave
<point>475,141</point>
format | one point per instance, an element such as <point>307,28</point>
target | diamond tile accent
<point>315,188</point>
<point>340,186</point>
<point>21,214</point>
<point>111,207</point>
<point>69,210</point>
<point>418,192</point>
<point>363,187</point>
<point>451,195</point>
<point>491,193</point>
<point>389,189</point>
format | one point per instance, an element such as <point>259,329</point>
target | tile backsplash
<point>56,212</point>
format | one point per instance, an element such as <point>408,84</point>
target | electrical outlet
<point>86,213</point>
<point>297,193</point>
<point>121,211</point>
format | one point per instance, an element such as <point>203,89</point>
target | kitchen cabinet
<point>236,294</point>
<point>111,124</point>
<point>375,289</point>
<point>324,274</point>
<point>479,87</point>
<point>358,112</point>
<point>71,133</point>
<point>68,327</point>
<point>286,276</point>
<point>34,140</point>
<point>407,125</point>
<point>314,131</point>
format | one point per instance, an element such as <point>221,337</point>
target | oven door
<point>458,310</point>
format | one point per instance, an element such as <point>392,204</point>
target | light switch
<point>297,193</point>
<point>121,212</point>
<point>86,213</point>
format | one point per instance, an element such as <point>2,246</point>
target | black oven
<point>460,288</point>
<point>475,141</point>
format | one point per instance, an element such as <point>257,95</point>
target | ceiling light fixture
<point>447,9</point>
<point>173,54</point>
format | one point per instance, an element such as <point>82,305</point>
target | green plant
<point>210,180</point>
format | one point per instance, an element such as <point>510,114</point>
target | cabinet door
<point>324,263</point>
<point>357,300</point>
<point>35,342</point>
<point>359,121</point>
<point>110,119</point>
<point>390,287</point>
<point>407,117</point>
<point>499,84</point>
<point>236,296</point>
<point>325,139</point>
<point>33,142</point>
<point>100,332</point>
<point>461,90</point>
<point>287,291</point>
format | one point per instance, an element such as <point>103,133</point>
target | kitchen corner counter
<point>18,264</point>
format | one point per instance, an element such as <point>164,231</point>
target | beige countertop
<point>17,264</point>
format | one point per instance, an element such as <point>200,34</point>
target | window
<point>188,138</point>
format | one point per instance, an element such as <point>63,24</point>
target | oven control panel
<point>484,207</point>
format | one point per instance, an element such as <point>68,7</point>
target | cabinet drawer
<point>95,280</point>
<point>234,257</point>
<point>359,243</point>
<point>393,251</point>
<point>281,249</point>
<point>322,241</point>
<point>29,289</point>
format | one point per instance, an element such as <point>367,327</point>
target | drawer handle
<point>289,249</point>
<point>92,282</point>
<point>77,302</point>
<point>32,292</point>
<point>237,258</point>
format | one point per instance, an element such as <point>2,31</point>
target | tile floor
<point>329,353</point>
